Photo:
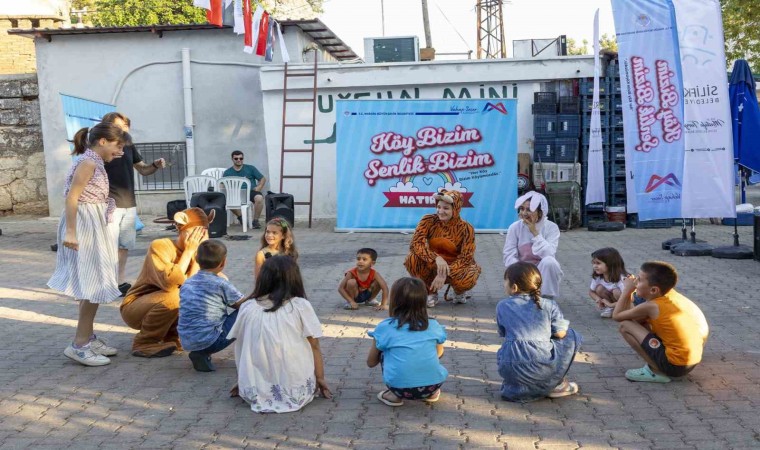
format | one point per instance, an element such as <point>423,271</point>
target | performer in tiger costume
<point>443,248</point>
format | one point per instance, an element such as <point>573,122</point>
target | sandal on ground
<point>564,389</point>
<point>434,398</point>
<point>381,397</point>
<point>646,375</point>
<point>235,391</point>
<point>350,308</point>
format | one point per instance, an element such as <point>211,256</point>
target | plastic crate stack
<point>556,128</point>
<point>611,108</point>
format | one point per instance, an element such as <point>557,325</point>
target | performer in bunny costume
<point>534,239</point>
<point>152,304</point>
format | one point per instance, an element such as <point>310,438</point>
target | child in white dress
<point>277,352</point>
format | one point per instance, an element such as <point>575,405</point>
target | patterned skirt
<point>91,273</point>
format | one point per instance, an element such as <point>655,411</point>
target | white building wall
<point>450,79</point>
<point>141,74</point>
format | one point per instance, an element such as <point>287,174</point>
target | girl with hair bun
<point>539,346</point>
<point>86,262</point>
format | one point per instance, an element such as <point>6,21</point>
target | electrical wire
<point>452,26</point>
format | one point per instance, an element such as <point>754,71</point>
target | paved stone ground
<point>47,401</point>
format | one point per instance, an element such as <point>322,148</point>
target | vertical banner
<point>651,86</point>
<point>393,155</point>
<point>708,174</point>
<point>595,180</point>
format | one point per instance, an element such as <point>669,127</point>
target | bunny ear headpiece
<point>536,200</point>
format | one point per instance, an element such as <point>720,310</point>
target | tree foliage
<point>741,22</point>
<point>605,43</point>
<point>574,49</point>
<point>118,13</point>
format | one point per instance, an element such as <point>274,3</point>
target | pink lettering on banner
<point>645,113</point>
<point>392,142</point>
<point>444,162</point>
<point>438,137</point>
<point>669,97</point>
<point>406,166</point>
<point>671,127</point>
<point>646,118</point>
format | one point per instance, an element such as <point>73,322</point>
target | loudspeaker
<point>756,229</point>
<point>175,206</point>
<point>212,201</point>
<point>280,205</point>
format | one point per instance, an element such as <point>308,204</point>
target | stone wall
<point>23,187</point>
<point>17,52</point>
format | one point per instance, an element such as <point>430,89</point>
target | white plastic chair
<point>238,192</point>
<point>214,172</point>
<point>197,183</point>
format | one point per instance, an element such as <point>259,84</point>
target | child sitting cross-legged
<point>606,279</point>
<point>204,298</point>
<point>361,284</point>
<point>409,345</point>
<point>667,330</point>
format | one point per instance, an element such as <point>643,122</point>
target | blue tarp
<point>79,113</point>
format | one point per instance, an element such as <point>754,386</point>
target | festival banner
<point>595,179</point>
<point>651,87</point>
<point>708,174</point>
<point>393,155</point>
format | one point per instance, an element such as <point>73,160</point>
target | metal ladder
<point>288,73</point>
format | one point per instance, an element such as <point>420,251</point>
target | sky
<point>353,20</point>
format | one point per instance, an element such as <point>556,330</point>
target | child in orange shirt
<point>668,330</point>
<point>362,283</point>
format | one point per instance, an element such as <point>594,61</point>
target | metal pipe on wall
<point>187,91</point>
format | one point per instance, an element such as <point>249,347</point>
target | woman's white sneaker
<point>84,355</point>
<point>100,347</point>
<point>432,299</point>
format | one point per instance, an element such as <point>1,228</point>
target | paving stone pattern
<point>48,401</point>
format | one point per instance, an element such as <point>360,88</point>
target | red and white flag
<point>254,30</point>
<point>263,32</point>
<point>239,27</point>
<point>215,14</point>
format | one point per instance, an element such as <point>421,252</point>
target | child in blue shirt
<point>409,346</point>
<point>203,301</point>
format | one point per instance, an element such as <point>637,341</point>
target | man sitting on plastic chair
<point>257,180</point>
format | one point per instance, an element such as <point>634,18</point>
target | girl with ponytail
<point>539,346</point>
<point>86,262</point>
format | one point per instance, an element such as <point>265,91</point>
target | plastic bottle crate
<point>543,108</point>
<point>613,69</point>
<point>634,222</point>
<point>588,104</point>
<point>616,171</point>
<point>617,137</point>
<point>586,86</point>
<point>594,217</point>
<point>568,125</point>
<point>545,125</point>
<point>617,153</point>
<point>566,149</point>
<point>615,187</point>
<point>545,98</point>
<point>614,86</point>
<point>616,105</point>
<point>616,120</point>
<point>569,105</point>
<point>543,150</point>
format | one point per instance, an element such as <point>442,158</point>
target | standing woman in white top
<point>534,239</point>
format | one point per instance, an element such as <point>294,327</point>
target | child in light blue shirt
<point>204,298</point>
<point>409,346</point>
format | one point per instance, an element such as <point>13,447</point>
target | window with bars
<point>170,178</point>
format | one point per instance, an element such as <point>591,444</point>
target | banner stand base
<point>733,252</point>
<point>668,244</point>
<point>690,248</point>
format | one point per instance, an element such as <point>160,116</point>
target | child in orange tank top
<point>361,284</point>
<point>668,330</point>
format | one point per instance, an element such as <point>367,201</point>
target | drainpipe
<point>187,89</point>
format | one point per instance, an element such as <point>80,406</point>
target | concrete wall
<point>22,166</point>
<point>141,74</point>
<point>511,78</point>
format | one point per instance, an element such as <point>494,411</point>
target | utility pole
<point>491,29</point>
<point>382,14</point>
<point>427,53</point>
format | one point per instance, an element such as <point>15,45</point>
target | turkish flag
<point>215,15</point>
<point>247,23</point>
<point>261,46</point>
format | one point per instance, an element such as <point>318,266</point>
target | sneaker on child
<point>100,347</point>
<point>84,355</point>
<point>606,312</point>
<point>460,298</point>
<point>373,302</point>
<point>432,299</point>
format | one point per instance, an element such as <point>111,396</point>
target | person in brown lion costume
<point>152,304</point>
<point>443,248</point>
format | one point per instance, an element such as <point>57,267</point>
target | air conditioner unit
<point>392,49</point>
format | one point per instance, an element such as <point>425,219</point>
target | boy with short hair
<point>361,284</point>
<point>667,330</point>
<point>204,298</point>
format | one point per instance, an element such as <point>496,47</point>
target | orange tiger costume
<point>453,240</point>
